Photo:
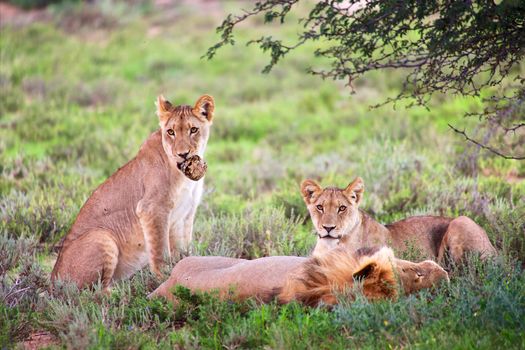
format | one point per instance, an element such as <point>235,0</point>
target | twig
<point>488,148</point>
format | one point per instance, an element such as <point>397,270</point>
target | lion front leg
<point>187,236</point>
<point>181,234</point>
<point>155,228</point>
<point>176,240</point>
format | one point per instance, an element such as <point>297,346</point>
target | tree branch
<point>488,148</point>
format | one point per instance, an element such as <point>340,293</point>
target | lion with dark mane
<point>311,281</point>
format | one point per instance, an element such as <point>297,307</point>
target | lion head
<point>333,211</point>
<point>322,277</point>
<point>416,276</point>
<point>379,273</point>
<point>185,129</point>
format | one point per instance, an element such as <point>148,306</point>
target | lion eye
<point>342,208</point>
<point>171,132</point>
<point>320,207</point>
<point>194,130</point>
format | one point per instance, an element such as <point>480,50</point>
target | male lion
<point>307,280</point>
<point>146,209</point>
<point>339,221</point>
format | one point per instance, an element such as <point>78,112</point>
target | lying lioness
<point>339,222</point>
<point>307,280</point>
<point>145,210</point>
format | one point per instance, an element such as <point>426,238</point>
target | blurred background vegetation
<point>78,82</point>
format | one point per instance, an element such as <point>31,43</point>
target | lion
<point>144,211</point>
<point>339,222</point>
<point>311,281</point>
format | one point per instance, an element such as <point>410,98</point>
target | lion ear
<point>354,191</point>
<point>164,107</point>
<point>204,107</point>
<point>365,271</point>
<point>310,189</point>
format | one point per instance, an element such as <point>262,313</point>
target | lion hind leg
<point>464,235</point>
<point>110,261</point>
<point>89,259</point>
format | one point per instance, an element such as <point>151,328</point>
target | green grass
<point>76,103</point>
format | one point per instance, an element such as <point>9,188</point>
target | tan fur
<point>310,281</point>
<point>339,222</point>
<point>145,210</point>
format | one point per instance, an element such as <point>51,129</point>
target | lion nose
<point>328,228</point>
<point>184,155</point>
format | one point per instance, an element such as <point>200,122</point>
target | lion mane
<point>321,278</point>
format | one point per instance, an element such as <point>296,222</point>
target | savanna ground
<point>77,89</point>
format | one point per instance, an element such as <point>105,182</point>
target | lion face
<point>185,129</point>
<point>377,270</point>
<point>333,211</point>
<point>416,276</point>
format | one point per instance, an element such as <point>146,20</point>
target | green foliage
<point>464,306</point>
<point>430,39</point>
<point>77,102</point>
<point>253,233</point>
<point>443,47</point>
<point>21,283</point>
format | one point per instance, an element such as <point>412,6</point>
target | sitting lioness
<point>339,222</point>
<point>310,281</point>
<point>145,210</point>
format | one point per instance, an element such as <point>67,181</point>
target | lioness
<point>145,210</point>
<point>307,280</point>
<point>339,221</point>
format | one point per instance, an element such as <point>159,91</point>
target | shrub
<point>22,283</point>
<point>253,233</point>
